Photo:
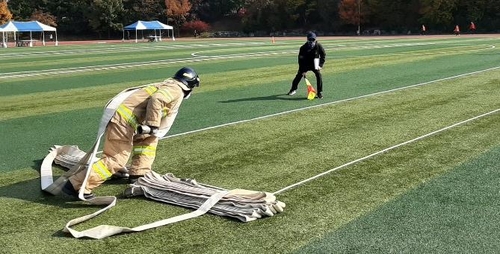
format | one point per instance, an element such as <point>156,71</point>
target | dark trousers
<point>298,77</point>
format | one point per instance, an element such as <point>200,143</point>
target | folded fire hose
<point>244,205</point>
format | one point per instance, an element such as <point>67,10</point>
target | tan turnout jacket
<point>155,105</point>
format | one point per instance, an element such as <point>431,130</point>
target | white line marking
<point>120,49</point>
<point>196,58</point>
<point>383,151</point>
<point>23,74</point>
<point>333,102</point>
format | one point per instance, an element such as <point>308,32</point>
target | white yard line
<point>383,151</point>
<point>196,57</point>
<point>121,49</point>
<point>350,99</point>
<point>50,72</point>
<point>334,102</point>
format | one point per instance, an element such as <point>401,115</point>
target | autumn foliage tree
<point>197,26</point>
<point>5,14</point>
<point>177,11</point>
<point>350,12</point>
<point>91,17</point>
<point>44,17</point>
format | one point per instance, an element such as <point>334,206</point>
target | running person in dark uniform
<point>307,53</point>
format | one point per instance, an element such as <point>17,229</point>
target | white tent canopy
<point>149,25</point>
<point>9,27</point>
<point>26,26</point>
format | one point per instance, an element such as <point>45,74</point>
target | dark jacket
<point>307,55</point>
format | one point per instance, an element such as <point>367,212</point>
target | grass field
<point>406,136</point>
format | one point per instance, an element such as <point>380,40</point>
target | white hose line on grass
<point>333,102</point>
<point>383,151</point>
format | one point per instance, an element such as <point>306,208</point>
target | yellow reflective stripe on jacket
<point>149,151</point>
<point>127,114</point>
<point>101,169</point>
<point>151,89</point>
<point>166,93</point>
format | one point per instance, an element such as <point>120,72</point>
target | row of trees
<point>107,17</point>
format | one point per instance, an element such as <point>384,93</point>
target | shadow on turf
<point>268,98</point>
<point>30,190</point>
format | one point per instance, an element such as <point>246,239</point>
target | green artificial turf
<point>455,213</point>
<point>272,152</point>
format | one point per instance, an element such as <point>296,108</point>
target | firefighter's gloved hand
<point>146,129</point>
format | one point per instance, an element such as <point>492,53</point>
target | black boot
<point>133,178</point>
<point>69,190</point>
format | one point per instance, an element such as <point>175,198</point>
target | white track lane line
<point>383,151</point>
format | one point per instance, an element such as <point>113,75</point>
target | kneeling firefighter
<point>139,121</point>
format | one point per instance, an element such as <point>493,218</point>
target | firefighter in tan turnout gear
<point>143,117</point>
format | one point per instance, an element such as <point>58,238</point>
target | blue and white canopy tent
<point>154,25</point>
<point>26,26</point>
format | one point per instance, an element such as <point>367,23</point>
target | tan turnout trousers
<point>155,105</point>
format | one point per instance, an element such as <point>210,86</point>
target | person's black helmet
<point>311,36</point>
<point>188,77</point>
